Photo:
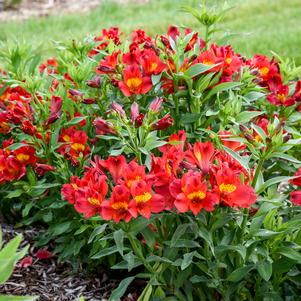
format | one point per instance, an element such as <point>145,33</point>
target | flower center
<point>196,196</point>
<point>130,182</point>
<point>120,206</point>
<point>281,97</point>
<point>134,82</point>
<point>78,147</point>
<point>227,188</point>
<point>264,71</point>
<point>23,157</point>
<point>143,198</point>
<point>208,62</point>
<point>153,67</point>
<point>94,201</point>
<point>66,138</point>
<point>228,60</point>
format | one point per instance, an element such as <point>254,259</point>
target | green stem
<point>257,171</point>
<point>139,254</point>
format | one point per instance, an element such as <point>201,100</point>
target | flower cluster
<point>199,177</point>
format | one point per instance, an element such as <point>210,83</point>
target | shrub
<point>175,157</point>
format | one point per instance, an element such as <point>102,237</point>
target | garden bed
<point>56,281</point>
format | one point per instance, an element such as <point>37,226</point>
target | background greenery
<point>261,25</point>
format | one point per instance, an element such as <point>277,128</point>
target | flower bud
<point>94,82</point>
<point>105,69</point>
<point>163,123</point>
<point>139,120</point>
<point>287,137</point>
<point>103,127</point>
<point>74,92</point>
<point>89,101</point>
<point>243,128</point>
<point>155,105</point>
<point>249,137</point>
<point>134,111</point>
<point>118,109</point>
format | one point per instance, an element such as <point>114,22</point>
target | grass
<point>261,26</point>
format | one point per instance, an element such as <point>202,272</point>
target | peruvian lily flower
<point>117,208</point>
<point>134,82</point>
<point>55,110</point>
<point>191,193</point>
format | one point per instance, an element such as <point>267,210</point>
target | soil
<point>56,281</point>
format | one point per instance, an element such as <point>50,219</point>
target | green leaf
<point>285,157</point>
<point>179,233</point>
<point>119,237</point>
<point>187,260</point>
<point>76,120</point>
<point>289,253</point>
<point>223,87</point>
<point>197,69</point>
<point>16,146</point>
<point>138,224</point>
<point>11,248</point>
<point>240,273</point>
<point>97,231</point>
<point>243,161</point>
<point>14,194</point>
<point>184,243</point>
<point>187,118</point>
<point>265,269</point>
<point>244,117</point>
<point>121,289</point>
<point>156,79</point>
<point>105,252</point>
<point>273,181</point>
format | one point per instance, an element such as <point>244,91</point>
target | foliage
<point>9,256</point>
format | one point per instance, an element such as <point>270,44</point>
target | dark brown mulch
<point>54,281</point>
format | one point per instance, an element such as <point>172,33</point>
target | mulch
<point>55,281</point>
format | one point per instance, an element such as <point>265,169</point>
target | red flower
<point>139,37</point>
<point>297,93</point>
<point>296,197</point>
<point>191,193</point>
<point>151,63</point>
<point>43,254</point>
<point>226,140</point>
<point>26,155</point>
<point>4,125</point>
<point>118,206</point>
<point>279,95</point>
<point>88,200</point>
<point>146,202</point>
<point>41,169</point>
<point>115,165</point>
<point>266,68</point>
<point>201,155</point>
<point>75,144</point>
<point>297,181</point>
<point>69,190</point>
<point>109,63</point>
<point>173,32</point>
<point>134,82</point>
<point>55,109</point>
<point>133,172</point>
<point>232,192</point>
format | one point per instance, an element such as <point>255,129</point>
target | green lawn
<point>261,25</point>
